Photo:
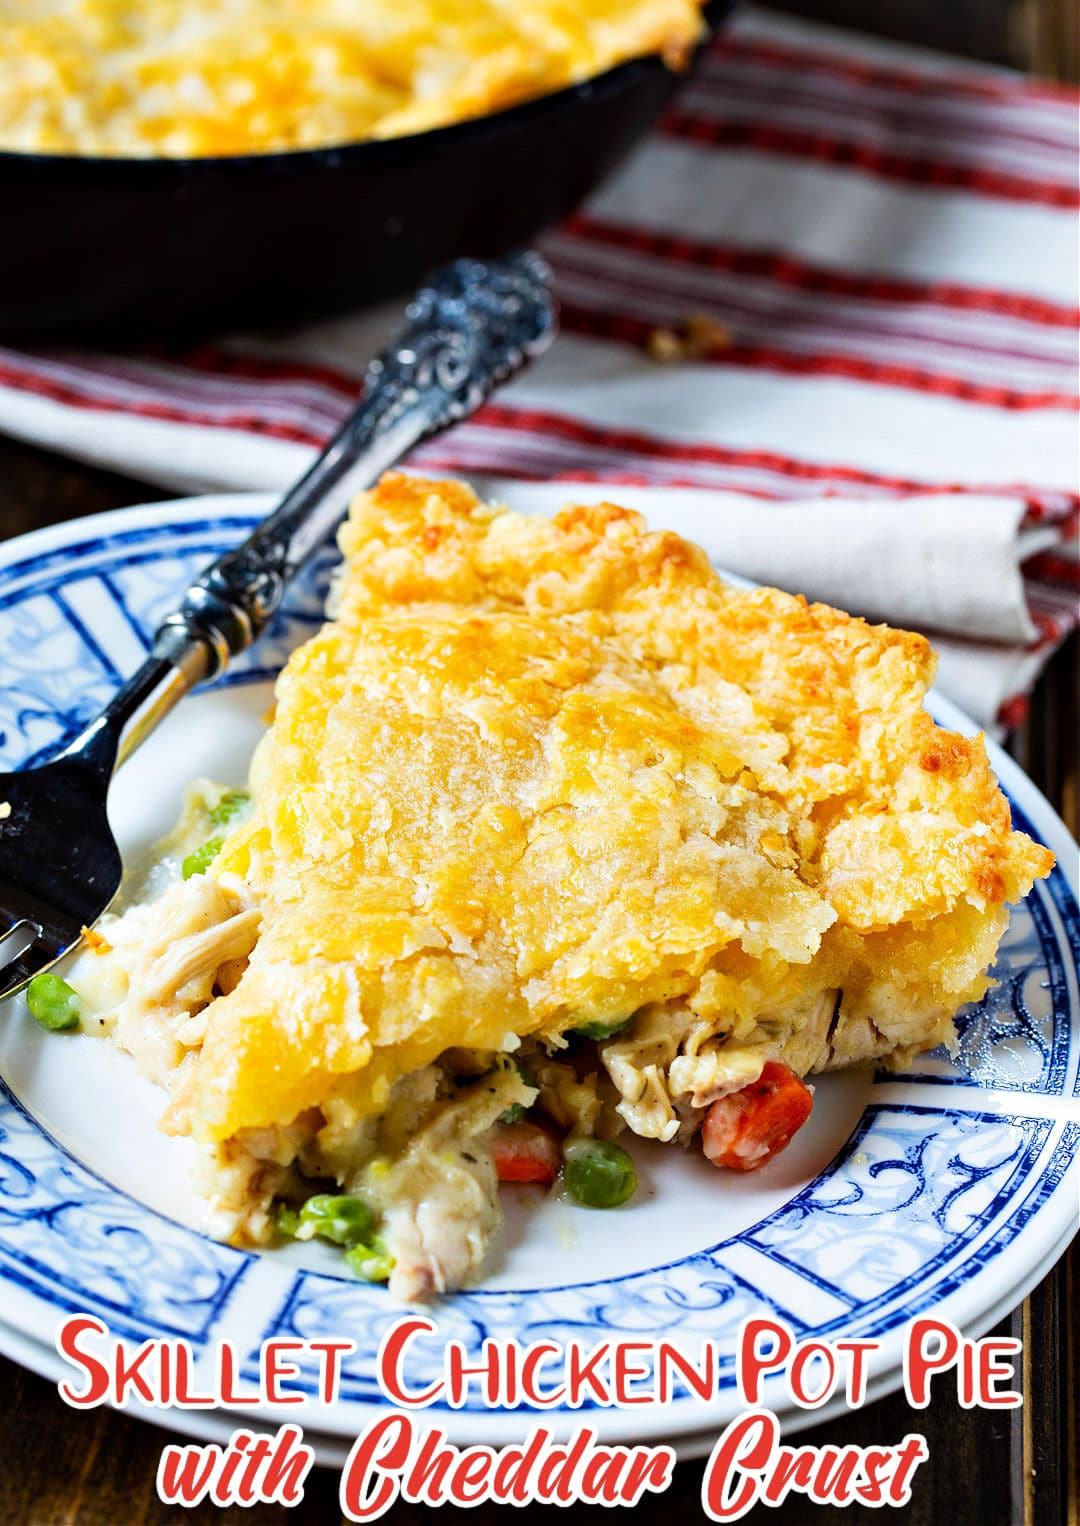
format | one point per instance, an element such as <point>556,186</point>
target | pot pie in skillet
<point>209,77</point>
<point>552,835</point>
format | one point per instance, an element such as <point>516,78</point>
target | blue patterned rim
<point>922,1208</point>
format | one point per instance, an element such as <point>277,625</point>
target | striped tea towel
<point>826,314</point>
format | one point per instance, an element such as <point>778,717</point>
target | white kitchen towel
<point>885,246</point>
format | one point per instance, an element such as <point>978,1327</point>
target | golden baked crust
<point>544,771</point>
<point>106,77</point>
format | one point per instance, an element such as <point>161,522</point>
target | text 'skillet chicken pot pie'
<point>552,834</point>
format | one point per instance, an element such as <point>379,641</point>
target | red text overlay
<point>404,1453</point>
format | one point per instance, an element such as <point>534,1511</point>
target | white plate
<point>952,1189</point>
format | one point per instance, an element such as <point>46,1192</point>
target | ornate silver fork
<point>475,324</point>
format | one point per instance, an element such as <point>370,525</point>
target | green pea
<point>199,861</point>
<point>286,1220</point>
<point>53,1003</point>
<point>229,806</point>
<point>371,1263</point>
<point>601,1030</point>
<point>598,1173</point>
<point>344,1220</point>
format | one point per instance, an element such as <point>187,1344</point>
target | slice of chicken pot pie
<point>552,835</point>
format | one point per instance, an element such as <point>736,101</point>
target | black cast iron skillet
<point>123,248</point>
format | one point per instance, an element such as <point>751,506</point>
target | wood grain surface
<point>1039,36</point>
<point>1008,1468</point>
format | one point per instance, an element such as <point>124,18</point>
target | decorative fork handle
<point>471,327</point>
<point>474,325</point>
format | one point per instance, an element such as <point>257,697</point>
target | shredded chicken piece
<point>438,1234</point>
<point>440,1197</point>
<point>638,1061</point>
<point>573,1102</point>
<point>197,926</point>
<point>238,1190</point>
<point>669,1066</point>
<point>200,954</point>
<point>810,1044</point>
<point>714,1072</point>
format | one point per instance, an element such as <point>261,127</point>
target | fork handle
<point>471,327</point>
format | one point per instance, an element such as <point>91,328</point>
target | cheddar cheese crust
<point>539,778</point>
<point>210,77</point>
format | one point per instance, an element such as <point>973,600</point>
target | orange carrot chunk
<point>746,1128</point>
<point>524,1152</point>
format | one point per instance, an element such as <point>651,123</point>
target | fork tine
<point>36,937</point>
<point>17,941</point>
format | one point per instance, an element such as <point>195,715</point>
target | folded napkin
<point>825,318</point>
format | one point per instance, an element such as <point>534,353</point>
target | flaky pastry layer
<point>539,772</point>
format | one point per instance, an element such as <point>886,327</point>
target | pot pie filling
<point>553,835</point>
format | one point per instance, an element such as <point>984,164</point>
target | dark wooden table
<point>1004,1468</point>
<point>1039,36</point>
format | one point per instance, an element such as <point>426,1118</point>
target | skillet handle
<point>471,327</point>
